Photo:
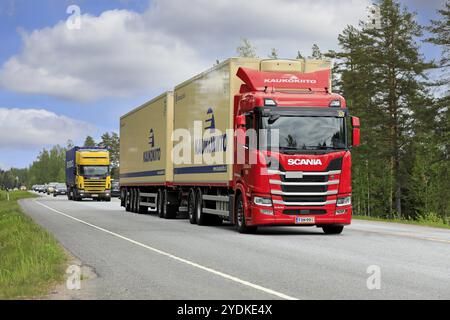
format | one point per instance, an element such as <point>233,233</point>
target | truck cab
<point>88,174</point>
<point>296,139</point>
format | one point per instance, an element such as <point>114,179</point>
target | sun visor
<point>259,80</point>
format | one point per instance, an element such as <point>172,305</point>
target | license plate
<point>94,195</point>
<point>305,220</point>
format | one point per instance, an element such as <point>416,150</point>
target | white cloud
<point>120,52</point>
<point>28,128</point>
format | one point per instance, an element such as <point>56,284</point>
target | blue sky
<point>57,84</point>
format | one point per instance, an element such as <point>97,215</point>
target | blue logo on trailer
<point>154,154</point>
<point>211,144</point>
<point>151,138</point>
<point>210,122</point>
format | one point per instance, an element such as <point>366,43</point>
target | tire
<point>134,199</point>
<point>332,229</point>
<point>200,216</point>
<point>75,195</point>
<point>160,203</point>
<point>191,207</point>
<point>127,200</point>
<point>108,199</point>
<point>241,227</point>
<point>170,212</point>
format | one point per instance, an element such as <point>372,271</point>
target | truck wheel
<point>127,200</point>
<point>200,216</point>
<point>170,212</point>
<point>240,217</point>
<point>134,200</point>
<point>191,207</point>
<point>160,203</point>
<point>332,229</point>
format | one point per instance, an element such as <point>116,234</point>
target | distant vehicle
<point>60,189</point>
<point>43,189</point>
<point>23,188</point>
<point>40,188</point>
<point>115,189</point>
<point>51,187</point>
<point>88,174</point>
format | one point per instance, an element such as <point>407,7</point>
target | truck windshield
<point>94,170</point>
<point>297,133</point>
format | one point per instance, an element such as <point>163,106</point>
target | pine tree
<point>379,74</point>
<point>316,53</point>
<point>89,142</point>
<point>273,54</point>
<point>246,49</point>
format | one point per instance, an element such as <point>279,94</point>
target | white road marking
<point>169,255</point>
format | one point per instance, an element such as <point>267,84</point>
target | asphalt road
<point>144,257</point>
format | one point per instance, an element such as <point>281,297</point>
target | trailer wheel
<point>332,229</point>
<point>240,217</point>
<point>127,200</point>
<point>160,202</point>
<point>200,216</point>
<point>191,207</point>
<point>134,207</point>
<point>170,211</point>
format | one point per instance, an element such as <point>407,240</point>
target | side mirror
<point>240,121</point>
<point>356,132</point>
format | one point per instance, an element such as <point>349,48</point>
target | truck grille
<point>307,188</point>
<point>93,186</point>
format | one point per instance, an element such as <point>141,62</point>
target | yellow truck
<point>88,174</point>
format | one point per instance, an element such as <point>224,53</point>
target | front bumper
<point>96,195</point>
<point>329,214</point>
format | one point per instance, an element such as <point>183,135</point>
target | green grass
<point>31,260</point>
<point>425,223</point>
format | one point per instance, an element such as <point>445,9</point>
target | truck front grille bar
<point>283,183</point>
<point>304,173</point>
<point>282,193</point>
<point>300,204</point>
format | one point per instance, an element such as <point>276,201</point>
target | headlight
<point>260,201</point>
<point>344,201</point>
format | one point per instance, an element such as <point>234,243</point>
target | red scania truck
<point>253,142</point>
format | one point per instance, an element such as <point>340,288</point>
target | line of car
<point>56,188</point>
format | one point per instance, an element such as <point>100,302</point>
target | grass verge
<point>423,223</point>
<point>31,260</point>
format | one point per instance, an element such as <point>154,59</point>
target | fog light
<point>260,201</point>
<point>342,211</point>
<point>268,212</point>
